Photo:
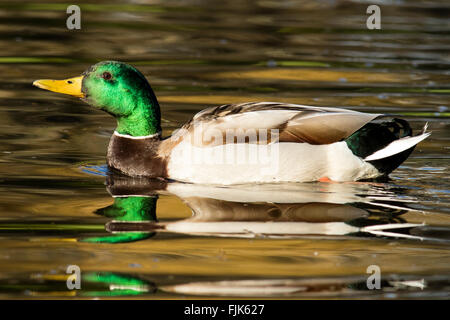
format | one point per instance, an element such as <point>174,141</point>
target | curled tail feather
<point>398,146</point>
<point>385,145</point>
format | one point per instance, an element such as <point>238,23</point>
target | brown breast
<point>137,157</point>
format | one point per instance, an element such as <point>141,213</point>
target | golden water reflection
<point>288,241</point>
<point>333,213</point>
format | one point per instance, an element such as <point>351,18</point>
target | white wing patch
<point>397,146</point>
<point>278,162</point>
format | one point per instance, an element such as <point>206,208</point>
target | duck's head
<point>120,90</point>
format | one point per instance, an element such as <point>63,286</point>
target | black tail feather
<point>375,136</point>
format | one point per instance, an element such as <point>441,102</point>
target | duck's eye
<point>106,75</point>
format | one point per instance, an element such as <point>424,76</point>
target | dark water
<point>288,241</point>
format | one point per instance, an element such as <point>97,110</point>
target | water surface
<point>59,207</point>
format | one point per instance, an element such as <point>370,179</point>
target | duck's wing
<point>291,123</point>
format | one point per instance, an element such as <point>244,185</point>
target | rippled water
<point>278,241</point>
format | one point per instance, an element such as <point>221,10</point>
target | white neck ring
<point>137,137</point>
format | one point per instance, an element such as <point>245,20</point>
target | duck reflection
<point>129,209</point>
<point>273,211</point>
<point>115,284</point>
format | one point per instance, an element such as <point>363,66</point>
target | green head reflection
<point>128,210</point>
<point>131,209</point>
<point>114,284</point>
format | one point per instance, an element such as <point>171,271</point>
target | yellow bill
<point>70,86</point>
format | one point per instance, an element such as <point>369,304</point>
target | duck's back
<point>274,142</point>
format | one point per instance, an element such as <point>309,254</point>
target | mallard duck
<point>238,143</point>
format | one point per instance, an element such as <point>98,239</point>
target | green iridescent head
<point>120,90</point>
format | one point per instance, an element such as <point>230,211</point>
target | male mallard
<point>238,143</point>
